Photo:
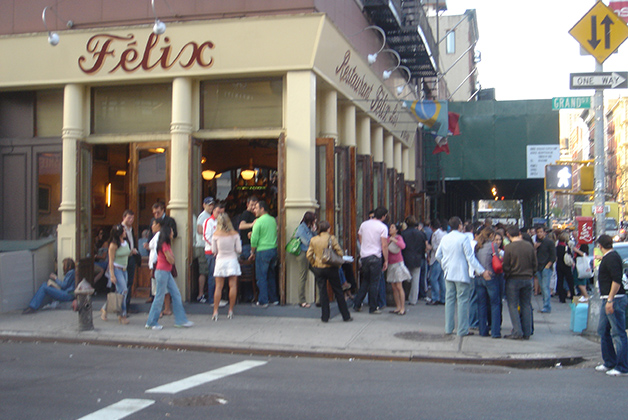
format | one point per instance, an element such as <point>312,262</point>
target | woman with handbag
<point>397,272</point>
<point>564,271</point>
<point>305,231</point>
<point>489,291</point>
<point>226,246</point>
<point>164,281</point>
<point>119,251</point>
<point>325,272</point>
<point>584,271</point>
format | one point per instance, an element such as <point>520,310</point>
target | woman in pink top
<point>397,271</point>
<point>226,246</point>
<point>165,282</point>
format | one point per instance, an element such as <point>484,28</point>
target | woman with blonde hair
<point>226,246</point>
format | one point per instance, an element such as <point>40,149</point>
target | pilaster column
<point>180,132</point>
<point>397,156</point>
<point>377,144</point>
<point>73,131</point>
<point>389,158</point>
<point>329,115</point>
<point>363,135</point>
<point>300,114</point>
<point>348,126</point>
<point>405,163</point>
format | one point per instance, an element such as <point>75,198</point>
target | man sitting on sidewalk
<point>57,290</point>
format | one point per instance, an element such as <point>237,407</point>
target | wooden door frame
<point>330,179</point>
<point>281,214</point>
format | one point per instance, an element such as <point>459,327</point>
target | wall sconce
<point>387,73</point>
<point>208,174</point>
<point>108,194</point>
<point>400,88</point>
<point>249,173</point>
<point>53,37</point>
<point>159,27</point>
<point>371,58</point>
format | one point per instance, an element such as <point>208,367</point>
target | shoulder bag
<point>330,257</point>
<point>496,262</point>
<point>294,245</point>
<point>567,258</point>
<point>114,302</point>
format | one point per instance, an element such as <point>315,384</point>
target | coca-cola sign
<point>620,8</point>
<point>112,53</point>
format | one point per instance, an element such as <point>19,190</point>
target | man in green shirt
<point>264,252</point>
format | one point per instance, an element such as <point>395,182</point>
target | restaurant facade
<point>285,107</point>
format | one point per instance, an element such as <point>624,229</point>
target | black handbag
<point>330,257</point>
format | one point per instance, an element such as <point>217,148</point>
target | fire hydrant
<point>83,293</point>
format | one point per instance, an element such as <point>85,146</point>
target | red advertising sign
<point>620,8</point>
<point>585,229</point>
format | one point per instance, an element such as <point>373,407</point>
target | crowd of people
<point>470,268</point>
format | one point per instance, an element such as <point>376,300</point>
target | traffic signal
<point>558,178</point>
<point>586,178</point>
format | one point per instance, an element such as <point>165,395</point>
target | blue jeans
<point>473,305</point>
<point>437,280</point>
<point>489,305</point>
<point>457,294</point>
<point>413,296</point>
<point>246,251</point>
<point>369,282</point>
<point>211,281</point>
<point>121,286</point>
<point>265,262</point>
<point>612,332</point>
<point>52,292</point>
<point>165,282</point>
<point>381,292</point>
<point>545,276</point>
<point>519,295</point>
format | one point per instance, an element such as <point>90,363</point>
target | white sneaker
<point>583,299</point>
<point>602,368</point>
<point>185,325</point>
<point>615,372</point>
<point>154,327</point>
<point>223,303</point>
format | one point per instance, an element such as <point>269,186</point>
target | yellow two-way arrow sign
<point>600,32</point>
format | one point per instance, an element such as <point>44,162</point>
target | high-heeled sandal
<point>215,317</point>
<point>103,314</point>
<point>123,320</point>
<point>230,315</point>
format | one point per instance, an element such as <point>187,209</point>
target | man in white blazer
<point>456,256</point>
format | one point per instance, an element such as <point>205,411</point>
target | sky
<point>527,51</point>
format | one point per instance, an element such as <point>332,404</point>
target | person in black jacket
<point>546,257</point>
<point>413,255</point>
<point>612,325</point>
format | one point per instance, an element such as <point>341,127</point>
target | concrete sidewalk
<point>294,331</point>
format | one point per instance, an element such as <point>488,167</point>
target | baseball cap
<point>208,200</point>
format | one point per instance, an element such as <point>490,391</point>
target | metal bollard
<point>83,293</point>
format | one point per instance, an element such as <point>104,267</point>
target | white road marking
<point>119,410</point>
<point>203,378</point>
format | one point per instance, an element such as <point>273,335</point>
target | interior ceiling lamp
<point>249,173</point>
<point>387,73</point>
<point>208,174</point>
<point>159,27</point>
<point>53,37</point>
<point>400,88</point>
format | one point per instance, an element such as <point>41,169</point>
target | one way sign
<point>614,80</point>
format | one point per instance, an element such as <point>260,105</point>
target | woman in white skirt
<point>226,246</point>
<point>397,271</point>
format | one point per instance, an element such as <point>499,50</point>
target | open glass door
<point>150,182</point>
<point>84,204</point>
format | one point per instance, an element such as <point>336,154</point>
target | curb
<point>519,363</point>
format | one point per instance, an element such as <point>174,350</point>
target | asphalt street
<point>74,381</point>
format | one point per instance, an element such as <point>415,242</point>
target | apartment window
<point>451,42</point>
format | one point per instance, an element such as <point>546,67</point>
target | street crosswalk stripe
<point>119,410</point>
<point>203,378</point>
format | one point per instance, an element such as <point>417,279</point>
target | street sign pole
<point>598,148</point>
